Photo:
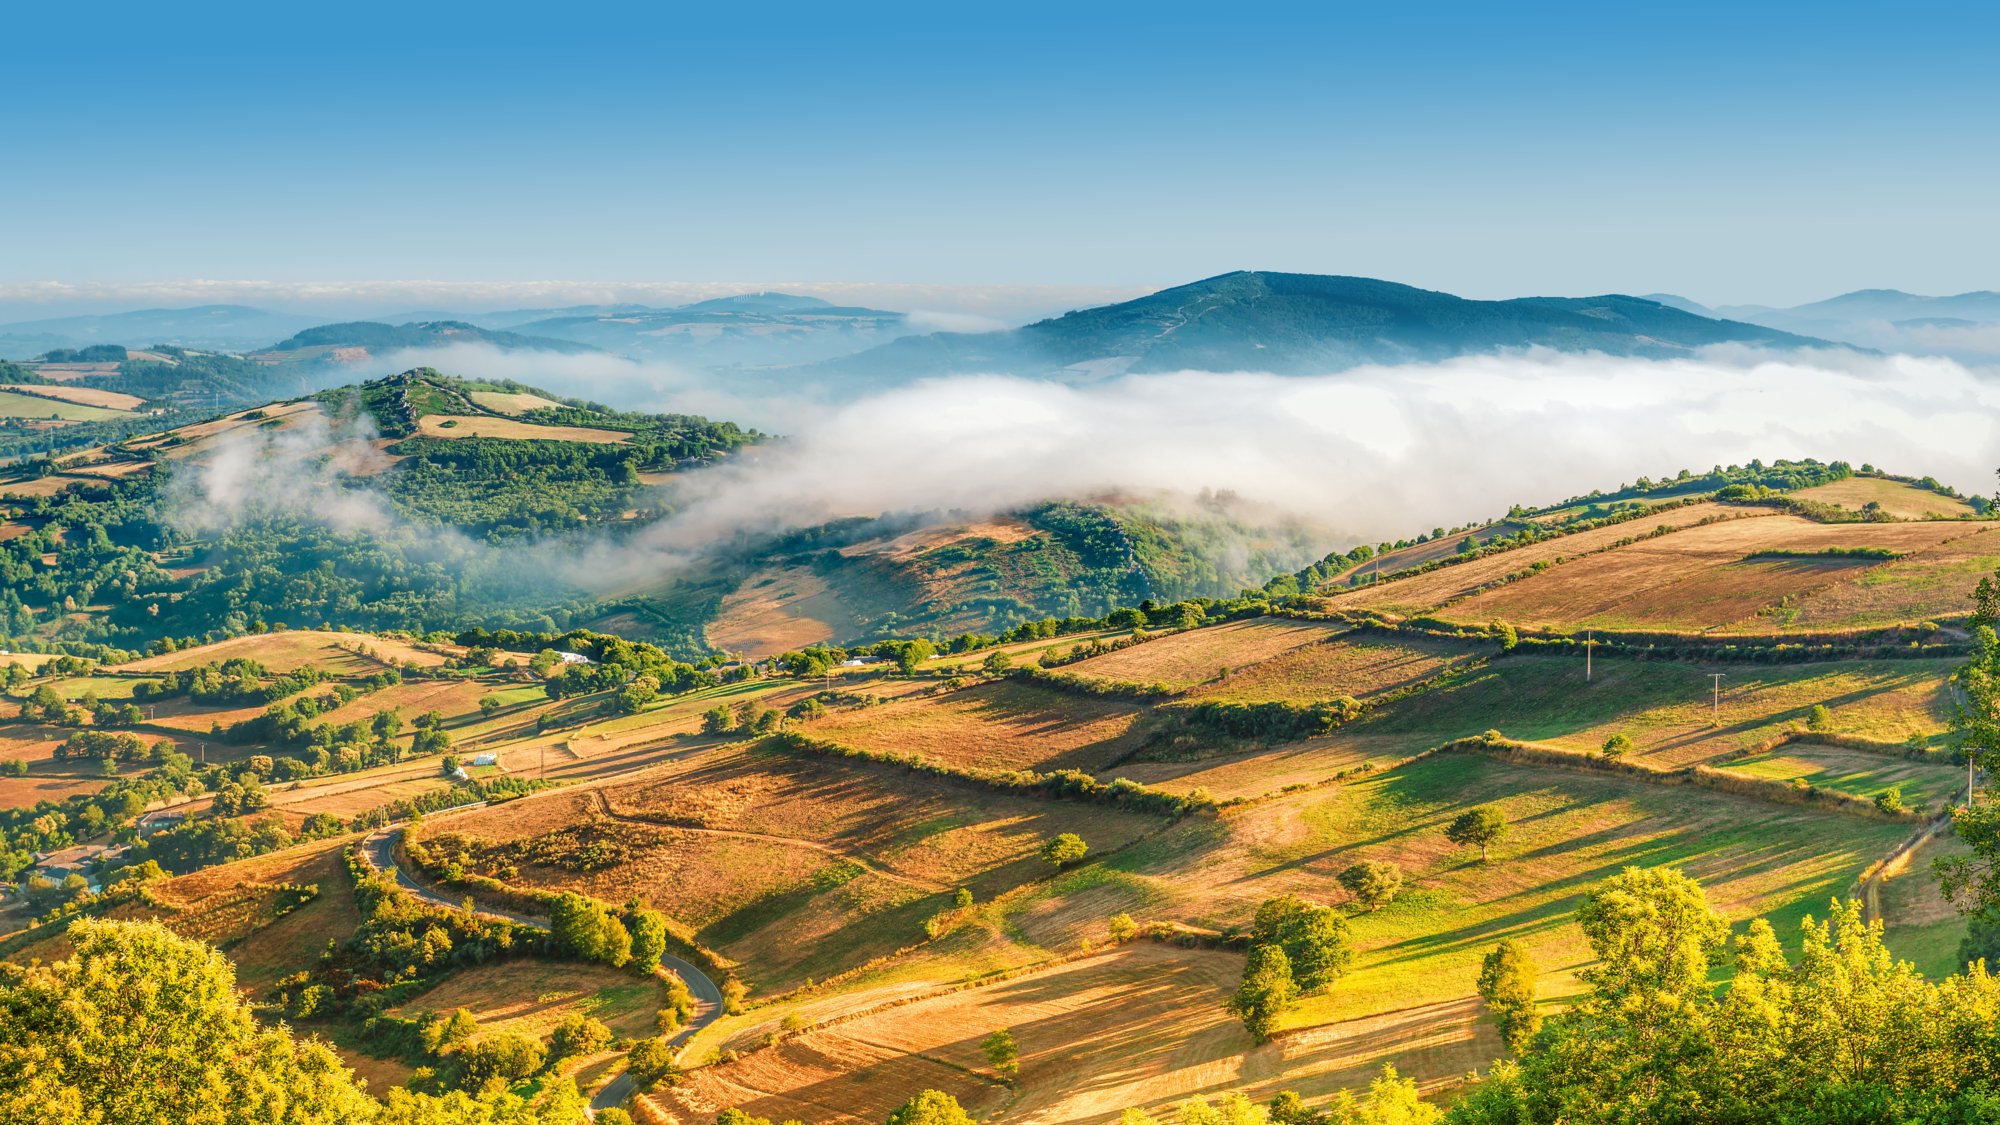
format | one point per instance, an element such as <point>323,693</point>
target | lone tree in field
<point>1617,746</point>
<point>1064,850</point>
<point>1373,885</point>
<point>718,719</point>
<point>1819,719</point>
<point>1267,991</point>
<point>932,1107</point>
<point>1314,938</point>
<point>1004,1054</point>
<point>1482,826</point>
<point>1507,984</point>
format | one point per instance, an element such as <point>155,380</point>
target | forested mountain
<point>1303,324</point>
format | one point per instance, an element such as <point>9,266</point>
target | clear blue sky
<point>1771,152</point>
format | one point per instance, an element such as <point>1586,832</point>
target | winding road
<point>379,849</point>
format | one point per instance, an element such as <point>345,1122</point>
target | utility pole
<point>1589,643</point>
<point>1716,718</point>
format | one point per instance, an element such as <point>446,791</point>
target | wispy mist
<point>1367,454</point>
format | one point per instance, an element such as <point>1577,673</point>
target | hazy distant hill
<point>1964,325</point>
<point>749,330</point>
<point>207,327</point>
<point>1304,323</point>
<point>377,338</point>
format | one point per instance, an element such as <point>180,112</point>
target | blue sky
<point>1776,155</point>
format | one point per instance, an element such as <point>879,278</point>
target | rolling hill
<point>356,340</point>
<point>847,856</point>
<point>1302,324</point>
<point>750,330</point>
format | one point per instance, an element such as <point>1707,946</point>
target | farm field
<point>487,426</point>
<point>1422,592</point>
<point>1572,829</point>
<point>1357,666</point>
<point>14,404</point>
<point>1184,660</point>
<point>796,867</point>
<point>882,917</point>
<point>1903,501</point>
<point>340,653</point>
<point>530,997</point>
<point>197,439</point>
<point>83,396</point>
<point>1135,1026</point>
<point>994,726</point>
<point>1932,584</point>
<point>776,609</point>
<point>507,402</point>
<point>1699,578</point>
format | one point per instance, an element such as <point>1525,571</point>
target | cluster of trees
<point>750,716</point>
<point>144,1025</point>
<point>1297,948</point>
<point>589,930</point>
<point>1845,1034</point>
<point>236,682</point>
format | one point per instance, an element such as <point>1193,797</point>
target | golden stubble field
<point>1002,725</point>
<point>1700,578</point>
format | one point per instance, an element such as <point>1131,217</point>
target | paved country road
<point>379,849</point>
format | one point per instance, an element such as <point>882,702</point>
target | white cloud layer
<point>1369,454</point>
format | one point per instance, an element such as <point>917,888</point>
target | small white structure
<point>487,759</point>
<point>458,774</point>
<point>573,658</point>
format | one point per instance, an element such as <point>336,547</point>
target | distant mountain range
<point>1965,325</point>
<point>1292,323</point>
<point>233,328</point>
<point>1288,323</point>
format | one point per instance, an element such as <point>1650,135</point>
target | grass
<point>1360,667</point>
<point>1932,784</point>
<point>796,866</point>
<point>776,609</point>
<point>1137,1026</point>
<point>291,650</point>
<point>1904,501</point>
<point>1919,926</point>
<point>504,402</point>
<point>16,405</point>
<point>87,396</point>
<point>1666,707</point>
<point>1198,656</point>
<point>531,997</point>
<point>1569,831</point>
<point>1930,584</point>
